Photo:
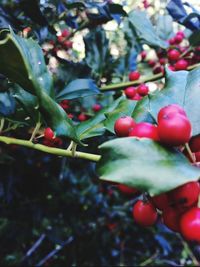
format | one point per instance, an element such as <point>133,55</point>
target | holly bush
<point>99,133</point>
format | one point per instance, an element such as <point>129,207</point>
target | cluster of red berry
<point>178,208</point>
<point>136,93</point>
<point>173,127</point>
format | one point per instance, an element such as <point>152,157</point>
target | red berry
<point>123,125</point>
<point>181,64</point>
<point>127,190</point>
<point>172,41</point>
<point>186,195</point>
<point>161,201</point>
<point>134,75</point>
<point>162,61</point>
<point>197,156</point>
<point>60,39</point>
<point>96,107</point>
<point>152,63</point>
<point>68,44</point>
<point>64,104</point>
<point>195,143</point>
<point>158,69</point>
<point>173,55</point>
<point>173,108</point>
<point>178,38</point>
<point>143,55</point>
<point>143,89</point>
<point>130,91</point>
<point>82,117</point>
<point>171,68</point>
<point>174,129</point>
<point>190,224</point>
<point>137,97</point>
<point>65,33</point>
<point>145,129</point>
<point>144,213</point>
<point>49,134</point>
<point>181,33</point>
<point>171,219</point>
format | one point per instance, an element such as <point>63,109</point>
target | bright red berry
<point>145,129</point>
<point>186,195</point>
<point>181,64</point>
<point>49,134</point>
<point>161,201</point>
<point>181,33</point>
<point>162,61</point>
<point>137,97</point>
<point>65,33</point>
<point>174,129</point>
<point>123,125</point>
<point>190,224</point>
<point>172,41</point>
<point>143,89</point>
<point>178,38</point>
<point>173,55</point>
<point>134,75</point>
<point>130,91</point>
<point>152,63</point>
<point>144,213</point>
<point>171,219</point>
<point>173,108</point>
<point>143,54</point>
<point>82,117</point>
<point>195,143</point>
<point>197,156</point>
<point>96,107</point>
<point>127,190</point>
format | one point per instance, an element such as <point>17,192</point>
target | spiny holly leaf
<point>164,26</point>
<point>143,28</point>
<point>172,93</point>
<point>22,61</point>
<point>78,88</point>
<point>7,104</point>
<point>145,165</point>
<point>124,108</point>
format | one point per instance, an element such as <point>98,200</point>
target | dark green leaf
<point>194,38</point>
<point>145,165</point>
<point>78,88</point>
<point>7,104</point>
<point>144,30</point>
<point>94,126</point>
<point>22,61</point>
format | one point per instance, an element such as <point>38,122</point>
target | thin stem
<point>2,121</point>
<point>35,131</point>
<point>190,253</point>
<point>74,146</point>
<point>50,150</point>
<point>190,153</point>
<point>142,80</point>
<point>70,146</point>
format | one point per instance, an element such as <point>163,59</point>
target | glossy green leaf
<point>22,61</point>
<point>28,102</point>
<point>164,26</point>
<point>78,88</point>
<point>143,28</point>
<point>145,165</point>
<point>7,104</point>
<point>125,108</point>
<point>95,126</point>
